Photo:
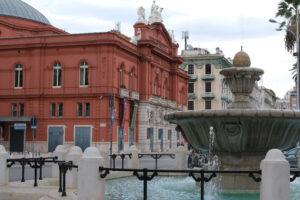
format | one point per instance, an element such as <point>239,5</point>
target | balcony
<point>193,77</point>
<point>224,97</point>
<point>192,96</point>
<point>134,95</point>
<point>230,100</point>
<point>208,77</point>
<point>124,93</point>
<point>208,95</point>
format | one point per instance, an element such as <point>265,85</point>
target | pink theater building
<point>70,83</point>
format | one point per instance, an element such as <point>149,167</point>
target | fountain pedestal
<point>238,162</point>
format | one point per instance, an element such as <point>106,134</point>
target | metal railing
<point>63,168</point>
<point>35,163</point>
<point>156,156</point>
<point>122,156</point>
<point>145,177</point>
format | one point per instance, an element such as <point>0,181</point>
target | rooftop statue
<point>155,14</point>
<point>141,15</point>
<point>136,38</point>
<point>172,35</point>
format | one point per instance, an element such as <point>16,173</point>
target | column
<point>3,168</point>
<point>74,155</point>
<point>90,185</point>
<point>275,179</point>
<point>180,158</point>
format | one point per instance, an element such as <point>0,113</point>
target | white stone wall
<point>151,113</point>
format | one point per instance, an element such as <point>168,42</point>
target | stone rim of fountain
<point>233,113</point>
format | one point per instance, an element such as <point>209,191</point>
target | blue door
<point>121,139</point>
<point>131,136</point>
<point>55,137</point>
<point>83,137</point>
<point>161,138</point>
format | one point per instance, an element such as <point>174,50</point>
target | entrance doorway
<point>161,138</point>
<point>83,137</point>
<point>55,137</point>
<point>121,139</point>
<point>16,140</point>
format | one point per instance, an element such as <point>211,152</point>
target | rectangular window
<point>207,86</point>
<point>60,109</point>
<point>208,69</point>
<point>19,76</point>
<point>191,87</point>
<point>14,109</point>
<point>52,109</point>
<point>21,109</point>
<point>190,69</point>
<point>207,105</point>
<point>84,74</point>
<point>87,109</point>
<point>79,109</point>
<point>57,75</point>
<point>169,134</point>
<point>190,105</point>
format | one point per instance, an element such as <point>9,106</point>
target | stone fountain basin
<point>239,130</point>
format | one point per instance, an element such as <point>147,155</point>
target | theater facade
<point>86,89</point>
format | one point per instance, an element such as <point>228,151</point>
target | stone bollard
<point>74,155</point>
<point>60,152</point>
<point>3,168</point>
<point>90,185</point>
<point>180,158</point>
<point>134,161</point>
<point>275,178</point>
<point>104,153</point>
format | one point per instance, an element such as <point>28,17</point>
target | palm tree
<point>287,10</point>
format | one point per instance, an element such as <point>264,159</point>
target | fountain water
<point>243,133</point>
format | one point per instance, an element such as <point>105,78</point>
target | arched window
<point>121,77</point>
<point>18,76</point>
<point>131,81</point>
<point>84,74</point>
<point>57,75</point>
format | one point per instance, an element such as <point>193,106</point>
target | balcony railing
<point>193,77</point>
<point>208,95</point>
<point>124,93</point>
<point>192,96</point>
<point>208,77</point>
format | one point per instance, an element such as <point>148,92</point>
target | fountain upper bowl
<point>239,130</point>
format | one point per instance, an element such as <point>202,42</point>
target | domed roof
<point>20,9</point>
<point>241,59</point>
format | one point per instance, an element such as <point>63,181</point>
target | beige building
<point>206,88</point>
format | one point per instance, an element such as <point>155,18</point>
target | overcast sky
<point>211,23</point>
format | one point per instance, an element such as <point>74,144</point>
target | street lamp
<point>297,53</point>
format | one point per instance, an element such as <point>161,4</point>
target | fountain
<point>243,133</point>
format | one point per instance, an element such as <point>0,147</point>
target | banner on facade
<point>124,112</point>
<point>133,119</point>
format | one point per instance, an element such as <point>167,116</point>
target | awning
<point>15,119</point>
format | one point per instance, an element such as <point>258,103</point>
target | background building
<point>70,88</point>
<point>289,101</point>
<point>206,89</point>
